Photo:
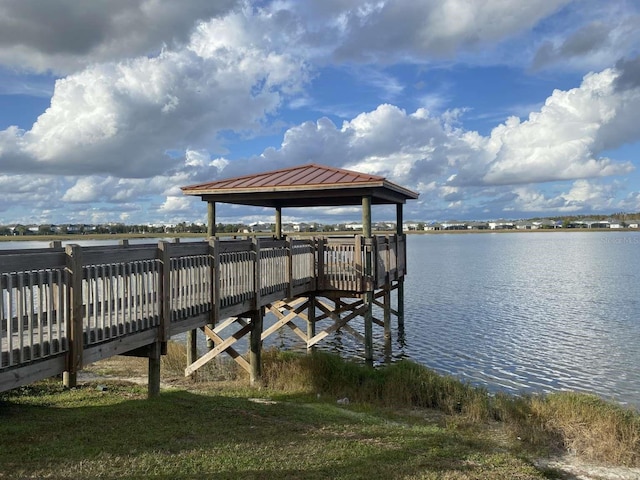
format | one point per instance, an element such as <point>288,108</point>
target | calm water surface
<point>528,312</point>
<point>521,312</point>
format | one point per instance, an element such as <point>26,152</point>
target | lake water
<point>521,312</point>
<point>528,312</point>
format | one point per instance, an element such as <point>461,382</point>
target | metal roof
<point>302,186</point>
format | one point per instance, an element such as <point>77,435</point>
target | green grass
<point>402,422</point>
<point>117,433</point>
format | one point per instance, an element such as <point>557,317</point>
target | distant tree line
<point>185,227</point>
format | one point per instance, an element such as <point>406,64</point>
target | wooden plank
<point>119,345</point>
<point>32,372</point>
<point>189,249</point>
<point>230,246</point>
<point>25,260</point>
<point>123,254</point>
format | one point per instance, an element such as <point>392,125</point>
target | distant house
<point>615,224</point>
<point>501,225</point>
<point>303,227</point>
<point>261,228</point>
<point>525,226</point>
<point>450,225</point>
<point>632,225</point>
<point>409,227</point>
<point>384,226</point>
<point>548,223</point>
<point>599,224</point>
<point>477,226</point>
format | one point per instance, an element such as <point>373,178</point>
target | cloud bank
<point>149,94</point>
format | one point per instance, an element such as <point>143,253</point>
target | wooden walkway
<point>62,308</point>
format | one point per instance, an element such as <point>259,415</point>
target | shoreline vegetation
<point>155,236</point>
<point>315,416</point>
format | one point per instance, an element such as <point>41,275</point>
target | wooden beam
<point>366,216</point>
<point>336,326</point>
<point>311,320</point>
<point>367,297</point>
<point>279,223</point>
<point>232,352</point>
<point>153,379</point>
<point>399,219</point>
<point>211,218</point>
<point>255,347</point>
<point>217,350</point>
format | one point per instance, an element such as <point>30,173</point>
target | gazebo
<point>379,263</point>
<point>308,185</point>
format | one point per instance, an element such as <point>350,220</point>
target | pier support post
<point>155,351</point>
<point>368,271</point>
<point>75,333</point>
<point>311,322</point>
<point>278,232</point>
<point>192,346</point>
<point>403,260</point>
<point>386,299</point>
<point>255,347</point>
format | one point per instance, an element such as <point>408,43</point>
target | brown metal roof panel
<point>293,177</point>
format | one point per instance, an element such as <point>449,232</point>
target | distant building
<point>501,225</point>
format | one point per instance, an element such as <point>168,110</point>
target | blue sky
<point>489,109</point>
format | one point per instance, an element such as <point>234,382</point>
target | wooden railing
<point>62,308</point>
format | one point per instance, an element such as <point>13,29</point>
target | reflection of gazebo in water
<point>352,274</point>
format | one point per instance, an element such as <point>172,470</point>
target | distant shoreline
<point>515,230</point>
<point>131,236</point>
<point>95,236</point>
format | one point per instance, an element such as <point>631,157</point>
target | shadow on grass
<point>119,434</point>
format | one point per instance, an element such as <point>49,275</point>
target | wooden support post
<point>255,347</point>
<point>400,289</point>
<point>214,248</point>
<point>211,219</point>
<point>366,216</point>
<point>368,271</point>
<point>257,274</point>
<point>155,350</point>
<point>400,294</point>
<point>289,247</point>
<point>311,322</point>
<point>279,223</point>
<point>320,279</point>
<point>386,299</point>
<point>75,326</point>
<point>165,290</point>
<point>192,346</point>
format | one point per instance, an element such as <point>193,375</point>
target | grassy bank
<point>401,421</point>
